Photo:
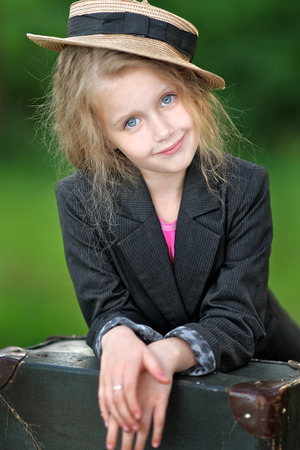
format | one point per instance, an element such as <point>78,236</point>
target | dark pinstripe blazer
<point>218,284</point>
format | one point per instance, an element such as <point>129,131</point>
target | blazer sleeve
<point>232,311</point>
<point>101,293</point>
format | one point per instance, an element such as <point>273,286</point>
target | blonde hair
<point>78,125</point>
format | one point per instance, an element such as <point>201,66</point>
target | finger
<point>112,434</point>
<point>127,440</point>
<point>152,365</point>
<point>108,405</point>
<point>130,384</point>
<point>114,401</point>
<point>142,434</point>
<point>120,409</point>
<point>159,418</point>
<point>102,403</point>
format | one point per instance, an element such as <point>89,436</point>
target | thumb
<point>152,365</point>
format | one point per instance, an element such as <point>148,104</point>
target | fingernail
<point>135,428</point>
<point>137,416</point>
<point>106,424</point>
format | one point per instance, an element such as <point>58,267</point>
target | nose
<point>162,128</point>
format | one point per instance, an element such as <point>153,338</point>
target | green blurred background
<point>253,44</point>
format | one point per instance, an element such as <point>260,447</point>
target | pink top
<point>169,233</point>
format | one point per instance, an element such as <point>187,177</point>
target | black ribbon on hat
<point>134,24</point>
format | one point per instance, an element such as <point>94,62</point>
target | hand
<point>153,399</point>
<point>124,358</point>
<point>174,355</point>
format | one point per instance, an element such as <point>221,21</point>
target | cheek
<point>184,118</point>
<point>114,141</point>
<point>131,148</point>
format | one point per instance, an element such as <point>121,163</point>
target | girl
<point>167,239</point>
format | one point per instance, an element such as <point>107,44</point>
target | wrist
<point>116,333</point>
<point>174,354</point>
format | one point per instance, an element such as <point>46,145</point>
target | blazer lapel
<point>176,291</point>
<point>196,243</point>
<point>142,243</point>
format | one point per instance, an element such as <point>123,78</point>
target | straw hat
<point>133,27</point>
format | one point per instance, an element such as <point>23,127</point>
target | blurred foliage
<point>253,45</point>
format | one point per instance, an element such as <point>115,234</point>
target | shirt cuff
<point>144,332</point>
<point>201,349</point>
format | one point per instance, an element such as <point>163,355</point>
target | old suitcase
<point>48,400</point>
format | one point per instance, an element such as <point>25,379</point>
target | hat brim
<point>149,48</point>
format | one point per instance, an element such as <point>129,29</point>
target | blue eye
<point>167,99</point>
<point>132,122</point>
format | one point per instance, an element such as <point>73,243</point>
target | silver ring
<point>117,387</point>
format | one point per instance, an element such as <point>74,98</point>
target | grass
<point>37,297</point>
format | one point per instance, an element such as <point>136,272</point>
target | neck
<point>166,193</point>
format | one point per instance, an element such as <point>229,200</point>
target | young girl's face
<point>144,117</point>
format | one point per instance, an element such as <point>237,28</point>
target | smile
<point>173,148</point>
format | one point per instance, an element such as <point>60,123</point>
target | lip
<point>173,148</point>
